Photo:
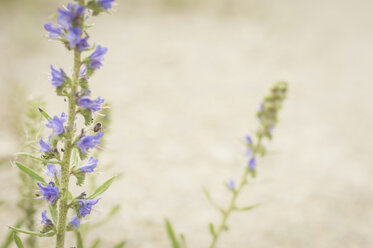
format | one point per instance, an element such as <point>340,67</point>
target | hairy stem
<point>232,204</point>
<point>65,165</point>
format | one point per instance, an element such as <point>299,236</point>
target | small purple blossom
<point>261,107</point>
<point>97,57</point>
<point>89,142</point>
<point>73,36</point>
<point>89,166</point>
<point>231,184</point>
<point>53,171</point>
<point>83,70</point>
<point>69,15</point>
<point>57,124</point>
<point>58,77</point>
<point>54,32</point>
<point>49,192</point>
<point>45,147</point>
<point>44,218</point>
<point>105,4</point>
<point>252,163</point>
<point>86,206</point>
<point>90,104</point>
<point>83,44</point>
<point>249,140</point>
<point>74,221</point>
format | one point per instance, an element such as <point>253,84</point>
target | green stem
<point>69,144</point>
<point>232,203</point>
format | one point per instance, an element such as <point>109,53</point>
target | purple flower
<point>252,163</point>
<point>261,107</point>
<point>83,70</point>
<point>54,32</point>
<point>105,4</point>
<point>72,13</point>
<point>44,218</point>
<point>83,44</point>
<point>53,171</point>
<point>57,124</point>
<point>74,221</point>
<point>97,57</point>
<point>231,184</point>
<point>58,76</point>
<point>49,192</point>
<point>89,166</point>
<point>86,206</point>
<point>45,147</point>
<point>73,36</point>
<point>249,140</point>
<point>89,104</point>
<point>89,142</point>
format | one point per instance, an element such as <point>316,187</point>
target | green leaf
<point>183,241</point>
<point>96,243</point>
<point>32,233</point>
<point>46,116</point>
<point>100,190</point>
<point>74,158</point>
<point>36,158</point>
<point>35,176</point>
<point>121,244</point>
<point>212,229</point>
<point>17,240</point>
<point>79,240</point>
<point>171,234</point>
<point>9,238</point>
<point>212,202</point>
<point>248,208</point>
<point>53,211</point>
<point>113,211</point>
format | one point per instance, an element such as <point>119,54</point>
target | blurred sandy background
<point>185,79</point>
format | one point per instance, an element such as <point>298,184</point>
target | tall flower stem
<point>232,204</point>
<point>69,144</point>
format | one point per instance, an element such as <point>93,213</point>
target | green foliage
<point>32,174</point>
<point>171,234</point>
<point>100,190</point>
<point>17,240</point>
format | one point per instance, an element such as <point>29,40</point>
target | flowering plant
<point>66,152</point>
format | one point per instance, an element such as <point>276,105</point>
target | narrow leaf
<point>36,158</point>
<point>31,173</point>
<point>212,229</point>
<point>249,207</point>
<point>32,233</point>
<point>183,240</point>
<point>53,211</point>
<point>113,211</point>
<point>212,202</point>
<point>9,238</point>
<point>79,240</point>
<point>120,245</point>
<point>46,116</point>
<point>74,158</point>
<point>100,190</point>
<point>96,243</point>
<point>17,240</point>
<point>171,234</point>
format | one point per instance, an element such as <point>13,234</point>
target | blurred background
<point>185,78</point>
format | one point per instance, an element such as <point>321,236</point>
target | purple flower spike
<point>58,77</point>
<point>231,184</point>
<point>105,4</point>
<point>73,36</point>
<point>86,206</point>
<point>89,142</point>
<point>45,147</point>
<point>49,192</point>
<point>252,163</point>
<point>73,13</point>
<point>54,32</point>
<point>57,124</point>
<point>89,104</point>
<point>74,221</point>
<point>52,171</point>
<point>44,218</point>
<point>97,57</point>
<point>89,166</point>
